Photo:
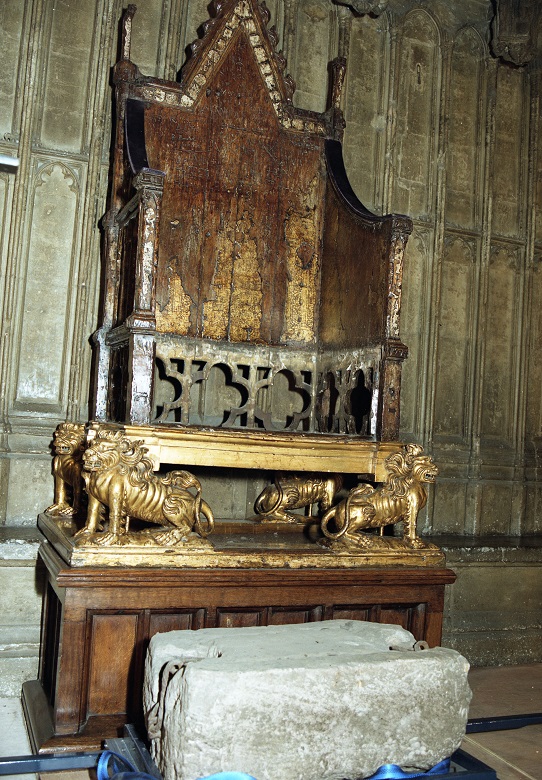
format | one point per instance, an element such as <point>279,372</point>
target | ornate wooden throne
<point>250,320</point>
<point>238,252</point>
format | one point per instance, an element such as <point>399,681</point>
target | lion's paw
<point>283,517</point>
<point>60,510</point>
<point>415,543</point>
<point>82,535</point>
<point>172,537</point>
<point>85,533</point>
<point>358,539</point>
<point>108,539</point>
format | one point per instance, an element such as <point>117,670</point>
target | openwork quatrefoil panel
<point>233,395</point>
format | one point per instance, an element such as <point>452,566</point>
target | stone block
<point>20,596</point>
<point>497,648</point>
<point>30,488</point>
<point>317,701</point>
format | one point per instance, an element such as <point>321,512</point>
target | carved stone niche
<point>246,286</point>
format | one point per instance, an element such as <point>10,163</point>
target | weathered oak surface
<point>239,264</point>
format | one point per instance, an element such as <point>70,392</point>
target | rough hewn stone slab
<point>315,701</point>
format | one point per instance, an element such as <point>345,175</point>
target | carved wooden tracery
<point>236,248</point>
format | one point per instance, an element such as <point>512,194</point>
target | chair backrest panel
<point>242,211</point>
<point>354,281</point>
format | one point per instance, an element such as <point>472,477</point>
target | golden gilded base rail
<point>141,514</point>
<point>266,450</point>
<point>229,550</point>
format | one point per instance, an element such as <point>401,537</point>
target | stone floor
<point>512,690</point>
<point>508,690</point>
<point>13,738</point>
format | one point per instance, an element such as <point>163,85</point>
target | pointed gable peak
<point>233,18</point>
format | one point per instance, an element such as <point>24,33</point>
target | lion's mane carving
<point>398,500</point>
<point>68,442</point>
<point>118,475</point>
<point>295,492</point>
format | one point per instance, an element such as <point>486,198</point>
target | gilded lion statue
<point>398,500</point>
<point>68,442</point>
<point>118,475</point>
<point>295,492</point>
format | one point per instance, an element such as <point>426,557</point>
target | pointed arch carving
<point>455,337</point>
<point>44,329</point>
<point>45,171</point>
<point>466,120</point>
<point>417,115</point>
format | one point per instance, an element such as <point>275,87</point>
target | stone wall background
<point>437,128</point>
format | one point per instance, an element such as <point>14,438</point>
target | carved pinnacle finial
<point>338,74</point>
<point>126,33</point>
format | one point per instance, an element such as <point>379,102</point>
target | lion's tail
<point>259,504</point>
<point>331,515</point>
<point>203,516</point>
<point>367,510</point>
<point>204,527</point>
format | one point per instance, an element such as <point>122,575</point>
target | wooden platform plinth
<point>97,623</point>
